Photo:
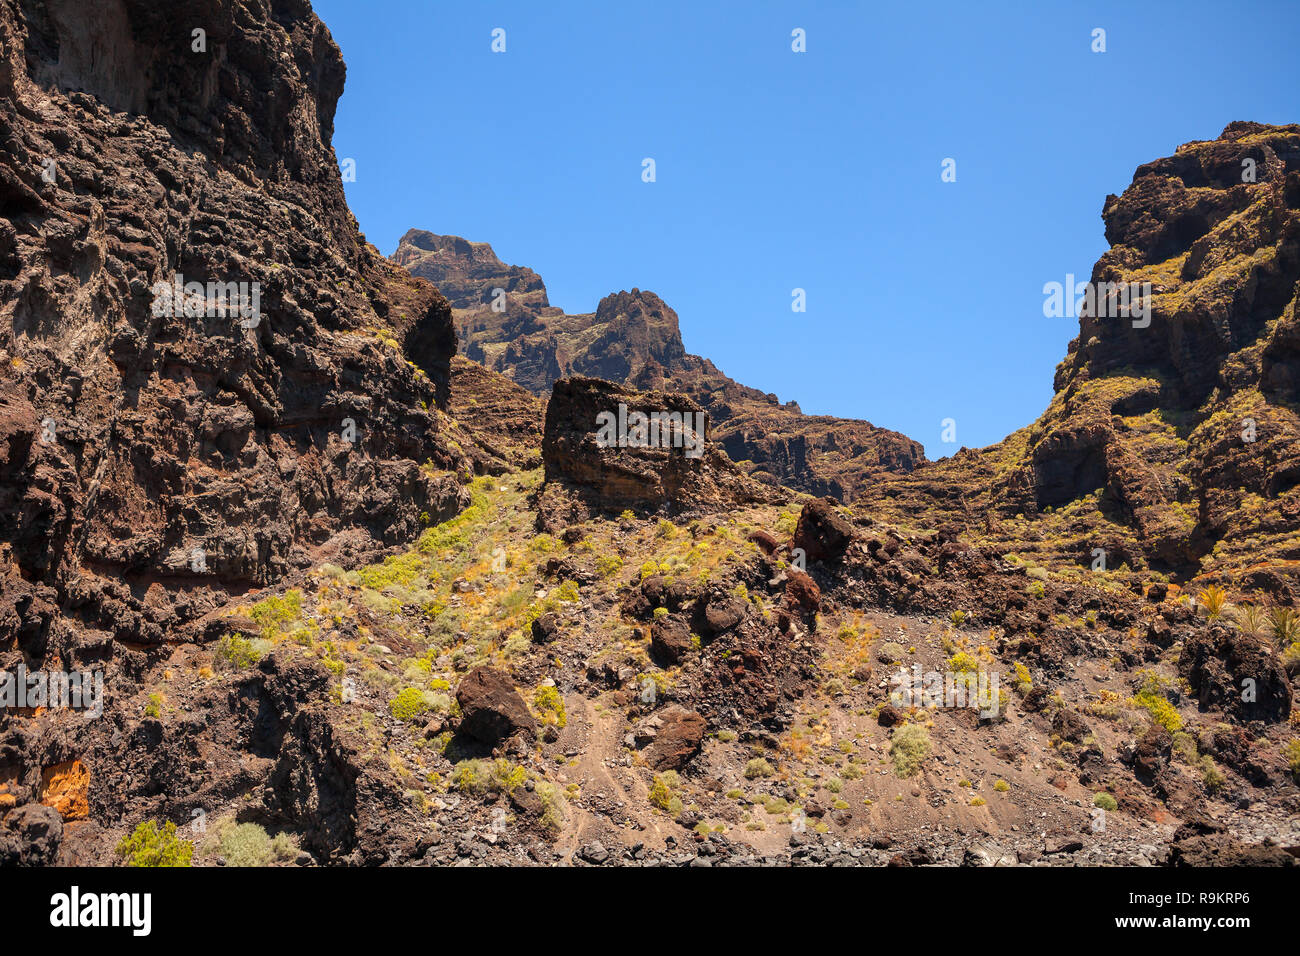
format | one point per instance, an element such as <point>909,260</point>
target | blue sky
<point>820,170</point>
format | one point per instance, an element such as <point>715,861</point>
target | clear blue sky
<point>818,170</point>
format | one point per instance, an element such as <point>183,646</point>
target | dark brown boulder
<point>722,613</point>
<point>1150,755</point>
<point>822,532</point>
<point>1068,725</point>
<point>670,640</point>
<point>889,716</point>
<point>678,738</point>
<point>546,628</point>
<point>30,836</point>
<point>491,709</point>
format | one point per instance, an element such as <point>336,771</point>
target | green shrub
<point>403,570</point>
<point>149,846</point>
<point>272,613</point>
<point>552,816</point>
<point>238,652</point>
<point>758,767</point>
<point>488,776</point>
<point>1291,751</point>
<point>661,795</point>
<point>247,844</point>
<point>1211,775</point>
<point>1151,698</point>
<point>408,704</point>
<point>908,748</point>
<point>1106,802</point>
<point>1161,711</point>
<point>962,663</point>
<point>549,706</point>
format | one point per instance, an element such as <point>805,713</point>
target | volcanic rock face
<point>1170,444</point>
<point>593,451</point>
<point>157,455</point>
<point>506,323</point>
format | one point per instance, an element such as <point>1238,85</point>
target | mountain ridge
<point>506,323</point>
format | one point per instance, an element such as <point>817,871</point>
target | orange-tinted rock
<point>66,788</point>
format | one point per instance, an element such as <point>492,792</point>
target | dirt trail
<point>601,741</point>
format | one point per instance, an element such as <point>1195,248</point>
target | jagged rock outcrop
<point>159,455</point>
<point>600,456</point>
<point>1170,444</point>
<point>1236,673</point>
<point>506,323</point>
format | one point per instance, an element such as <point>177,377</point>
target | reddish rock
<point>802,592</point>
<point>678,738</point>
<point>491,708</point>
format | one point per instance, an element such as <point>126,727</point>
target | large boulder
<point>670,640</point>
<point>671,737</point>
<point>30,836</point>
<point>491,709</point>
<point>822,532</point>
<point>722,613</point>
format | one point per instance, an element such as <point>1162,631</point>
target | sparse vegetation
<point>1214,599</point>
<point>150,846</point>
<point>247,844</point>
<point>891,652</point>
<point>908,748</point>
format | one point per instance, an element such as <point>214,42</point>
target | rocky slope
<point>506,323</point>
<point>1172,446</point>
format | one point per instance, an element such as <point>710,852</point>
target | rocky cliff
<point>1171,443</point>
<point>506,322</point>
<point>159,455</point>
<point>208,379</point>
